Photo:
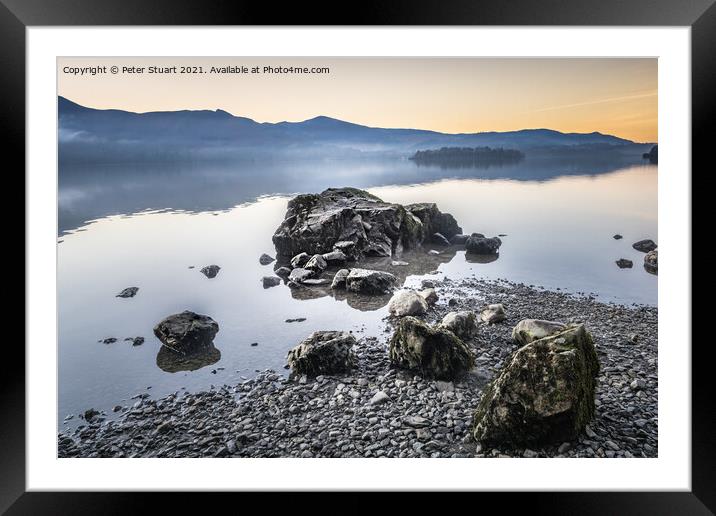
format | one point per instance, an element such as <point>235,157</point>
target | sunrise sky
<point>454,95</point>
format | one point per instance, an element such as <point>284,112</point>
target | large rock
<point>298,275</point>
<point>434,352</point>
<point>544,393</point>
<point>462,324</point>
<point>364,281</point>
<point>528,330</point>
<point>493,314</point>
<point>320,223</point>
<point>407,302</point>
<point>479,244</point>
<point>644,245</point>
<point>651,261</point>
<point>324,352</point>
<point>316,264</point>
<point>339,280</point>
<point>186,332</point>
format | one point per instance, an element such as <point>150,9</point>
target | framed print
<point>419,252</point>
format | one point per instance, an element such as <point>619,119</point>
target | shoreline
<point>331,416</point>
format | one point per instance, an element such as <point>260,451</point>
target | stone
<point>416,421</point>
<point>300,260</point>
<point>644,245</point>
<point>379,398</point>
<point>265,259</point>
<point>439,239</point>
<point>493,314</point>
<point>528,330</point>
<point>638,384</point>
<point>299,274</point>
<point>128,292</point>
<point>136,341</point>
<point>316,264</point>
<point>210,271</point>
<point>479,244</point>
<point>430,296</point>
<point>651,261</point>
<point>339,280</point>
<point>270,281</point>
<point>314,282</point>
<point>283,272</point>
<point>459,239</point>
<point>187,331</point>
<point>364,281</point>
<point>407,302</point>
<point>90,414</point>
<point>618,237</point>
<point>317,223</point>
<point>399,263</point>
<point>543,393</point>
<point>433,352</point>
<point>623,263</point>
<point>462,324</point>
<point>335,257</point>
<point>323,352</point>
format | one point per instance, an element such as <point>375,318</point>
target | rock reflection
<point>173,362</point>
<point>481,258</point>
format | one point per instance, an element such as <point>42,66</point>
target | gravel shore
<point>345,416</point>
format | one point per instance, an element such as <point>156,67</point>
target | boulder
<point>623,263</point>
<point>544,392</point>
<point>644,245</point>
<point>270,281</point>
<point>430,296</point>
<point>299,274</point>
<point>407,302</point>
<point>324,352</point>
<point>479,244</point>
<point>339,280</point>
<point>320,223</point>
<point>462,324</point>
<point>283,272</point>
<point>439,239</point>
<point>128,292</point>
<point>434,352</point>
<point>493,314</point>
<point>316,264</point>
<point>651,261</point>
<point>335,257</point>
<point>364,281</point>
<point>210,271</point>
<point>265,259</point>
<point>300,260</point>
<point>528,330</point>
<point>186,332</point>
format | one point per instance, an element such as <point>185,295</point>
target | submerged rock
<point>265,259</point>
<point>170,361</point>
<point>324,352</point>
<point>270,281</point>
<point>407,302</point>
<point>364,281</point>
<point>544,393</point>
<point>651,261</point>
<point>493,314</point>
<point>623,263</point>
<point>322,223</point>
<point>136,341</point>
<point>479,244</point>
<point>128,292</point>
<point>210,271</point>
<point>528,330</point>
<point>434,352</point>
<point>644,245</point>
<point>187,331</point>
<point>463,324</point>
<point>339,280</point>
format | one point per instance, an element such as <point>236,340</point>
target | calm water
<point>145,225</point>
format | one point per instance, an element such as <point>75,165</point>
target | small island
<point>467,156</point>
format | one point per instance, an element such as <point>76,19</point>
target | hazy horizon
<point>448,95</point>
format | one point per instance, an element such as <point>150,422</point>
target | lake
<point>146,225</point>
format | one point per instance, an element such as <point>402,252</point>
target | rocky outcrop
<point>324,352</point>
<point>651,261</point>
<point>407,302</point>
<point>357,224</point>
<point>528,330</point>
<point>364,281</point>
<point>544,393</point>
<point>463,324</point>
<point>186,332</point>
<point>644,246</point>
<point>477,243</point>
<point>433,352</point>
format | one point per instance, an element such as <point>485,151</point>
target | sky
<point>616,96</point>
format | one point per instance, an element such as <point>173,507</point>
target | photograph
<point>357,257</point>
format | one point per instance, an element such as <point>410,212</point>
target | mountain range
<point>88,134</point>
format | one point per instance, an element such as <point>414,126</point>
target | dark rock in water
<point>652,155</point>
<point>644,245</point>
<point>90,414</point>
<point>283,272</point>
<point>187,331</point>
<point>270,281</point>
<point>478,244</point>
<point>254,344</point>
<point>618,237</point>
<point>108,340</point>
<point>300,260</point>
<point>297,319</point>
<point>439,239</point>
<point>434,352</point>
<point>651,261</point>
<point>364,281</point>
<point>623,263</point>
<point>136,341</point>
<point>316,264</point>
<point>298,275</point>
<point>544,393</point>
<point>324,352</point>
<point>210,271</point>
<point>172,362</point>
<point>339,280</point>
<point>502,235</point>
<point>128,292</point>
<point>191,267</point>
<point>335,257</point>
<point>318,223</point>
<point>265,259</point>
<point>459,239</point>
<point>529,330</point>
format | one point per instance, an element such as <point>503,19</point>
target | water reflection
<point>173,362</point>
<point>481,258</point>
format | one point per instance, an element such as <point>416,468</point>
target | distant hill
<point>88,135</point>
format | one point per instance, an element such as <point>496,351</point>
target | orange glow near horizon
<point>616,96</point>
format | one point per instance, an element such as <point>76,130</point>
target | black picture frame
<point>17,15</point>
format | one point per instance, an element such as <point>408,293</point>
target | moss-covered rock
<point>529,330</point>
<point>433,352</point>
<point>544,393</point>
<point>324,352</point>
